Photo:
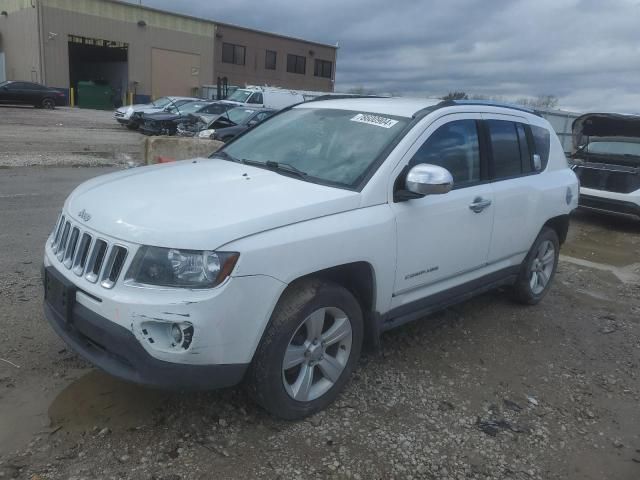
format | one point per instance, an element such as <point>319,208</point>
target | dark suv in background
<point>29,93</point>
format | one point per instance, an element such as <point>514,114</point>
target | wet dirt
<point>413,409</point>
<point>603,238</point>
<point>100,399</point>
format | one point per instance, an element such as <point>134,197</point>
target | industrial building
<point>148,53</point>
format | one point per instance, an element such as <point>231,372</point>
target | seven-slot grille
<point>87,255</point>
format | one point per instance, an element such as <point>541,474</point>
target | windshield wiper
<point>277,167</point>
<point>285,167</point>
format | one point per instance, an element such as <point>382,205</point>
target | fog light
<point>176,334</point>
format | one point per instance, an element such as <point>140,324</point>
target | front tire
<point>308,351</point>
<point>48,103</point>
<point>538,269</point>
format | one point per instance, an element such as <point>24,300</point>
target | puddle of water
<point>601,238</point>
<point>98,399</point>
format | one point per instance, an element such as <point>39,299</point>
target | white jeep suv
<point>273,260</point>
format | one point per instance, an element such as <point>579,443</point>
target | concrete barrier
<point>162,149</point>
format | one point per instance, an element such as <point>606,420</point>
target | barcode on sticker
<point>376,120</point>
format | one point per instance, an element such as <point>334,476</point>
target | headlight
<point>206,133</point>
<point>170,267</point>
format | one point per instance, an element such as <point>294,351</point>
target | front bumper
<point>115,350</point>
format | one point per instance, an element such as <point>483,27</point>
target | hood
<point>607,138</point>
<point>209,118</point>
<point>135,108</point>
<point>201,204</point>
<point>161,116</point>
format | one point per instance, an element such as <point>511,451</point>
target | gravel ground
<point>485,390</point>
<point>57,137</point>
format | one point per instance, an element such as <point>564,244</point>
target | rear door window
<point>505,147</point>
<point>525,152</point>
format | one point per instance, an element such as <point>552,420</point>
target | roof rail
<point>343,96</point>
<point>484,103</point>
<point>489,103</point>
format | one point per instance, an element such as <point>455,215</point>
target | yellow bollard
<point>72,97</point>
<point>130,98</point>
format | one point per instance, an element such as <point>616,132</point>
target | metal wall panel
<point>126,12</point>
<point>141,41</point>
<point>19,42</point>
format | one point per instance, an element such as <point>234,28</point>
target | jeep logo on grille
<point>84,215</point>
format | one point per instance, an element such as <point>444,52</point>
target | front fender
<point>290,252</point>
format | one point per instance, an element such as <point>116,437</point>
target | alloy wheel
<point>542,266</point>
<point>317,354</point>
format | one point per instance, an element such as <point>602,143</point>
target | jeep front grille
<point>87,256</point>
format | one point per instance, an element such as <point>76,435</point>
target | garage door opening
<point>98,71</point>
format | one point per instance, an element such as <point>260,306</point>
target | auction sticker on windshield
<point>374,120</point>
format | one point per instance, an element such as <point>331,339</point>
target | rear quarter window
<point>541,143</point>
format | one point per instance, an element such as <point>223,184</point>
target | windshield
<point>240,96</point>
<point>614,148</point>
<point>238,115</point>
<point>334,146</point>
<point>189,107</point>
<point>161,102</point>
<point>2,84</point>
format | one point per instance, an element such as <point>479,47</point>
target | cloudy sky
<point>586,52</point>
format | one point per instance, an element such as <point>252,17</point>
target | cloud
<point>583,51</point>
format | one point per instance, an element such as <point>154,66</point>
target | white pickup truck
<point>275,259</point>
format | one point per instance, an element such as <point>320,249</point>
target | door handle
<point>479,204</point>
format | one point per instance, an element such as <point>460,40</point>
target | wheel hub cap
<point>315,352</point>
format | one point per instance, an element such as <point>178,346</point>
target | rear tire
<point>308,351</point>
<point>538,268</point>
<point>132,126</point>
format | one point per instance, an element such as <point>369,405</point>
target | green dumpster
<point>96,95</point>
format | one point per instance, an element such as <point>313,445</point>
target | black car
<point>166,122</point>
<point>29,93</point>
<point>234,122</point>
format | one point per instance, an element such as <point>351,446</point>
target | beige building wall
<point>253,72</point>
<point>35,34</point>
<point>19,40</point>
<point>179,80</point>
<point>119,22</point>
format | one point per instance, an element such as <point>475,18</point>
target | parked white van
<point>268,97</point>
<point>275,259</point>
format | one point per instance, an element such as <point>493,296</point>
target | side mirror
<point>252,123</point>
<point>427,179</point>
